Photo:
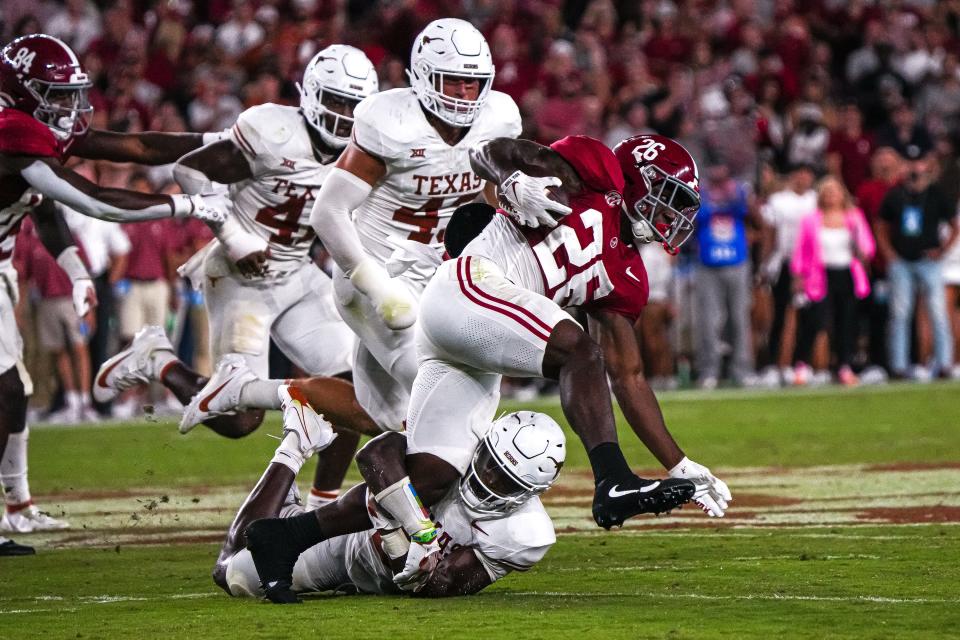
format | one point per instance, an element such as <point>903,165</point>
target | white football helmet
<point>519,457</point>
<point>336,75</point>
<point>450,47</point>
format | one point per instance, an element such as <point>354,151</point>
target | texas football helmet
<point>334,82</point>
<point>450,47</point>
<point>518,458</point>
<point>662,192</point>
<point>41,75</point>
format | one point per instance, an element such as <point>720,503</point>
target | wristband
<point>69,260</point>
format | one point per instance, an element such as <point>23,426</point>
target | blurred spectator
<point>904,134</point>
<point>241,33</point>
<point>77,24</point>
<point>951,279</point>
<point>833,246</point>
<point>782,214</point>
<point>213,108</point>
<point>60,331</point>
<point>722,278</point>
<point>850,148</point>
<point>808,139</point>
<point>909,237</point>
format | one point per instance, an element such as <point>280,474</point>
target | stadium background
<point>846,501</point>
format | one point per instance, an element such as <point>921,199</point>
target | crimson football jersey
<point>20,135</point>
<point>582,262</point>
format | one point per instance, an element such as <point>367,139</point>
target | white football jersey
<point>426,179</point>
<point>514,542</point>
<point>10,218</point>
<point>275,203</point>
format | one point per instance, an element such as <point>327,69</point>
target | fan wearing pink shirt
<point>833,244</point>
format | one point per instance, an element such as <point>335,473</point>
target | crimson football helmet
<point>42,76</point>
<point>662,192</point>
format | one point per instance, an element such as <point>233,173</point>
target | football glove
<point>206,207</point>
<point>391,298</point>
<point>526,199</point>
<point>84,295</point>
<point>422,558</point>
<point>712,494</point>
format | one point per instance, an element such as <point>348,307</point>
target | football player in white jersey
<point>491,524</point>
<point>258,279</point>
<point>391,193</point>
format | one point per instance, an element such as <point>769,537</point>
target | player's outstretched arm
<point>624,365</point>
<point>344,190</point>
<point>221,161</point>
<point>149,147</point>
<point>56,237</point>
<point>116,205</point>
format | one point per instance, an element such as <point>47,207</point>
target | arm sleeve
<point>42,178</point>
<point>332,218</point>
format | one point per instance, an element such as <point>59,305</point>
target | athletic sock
<point>288,453</point>
<point>13,471</point>
<point>608,462</point>
<point>304,531</point>
<point>161,358</point>
<point>261,394</point>
<point>318,498</point>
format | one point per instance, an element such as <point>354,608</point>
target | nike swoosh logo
<point>616,493</point>
<point>629,273</point>
<point>102,378</point>
<point>205,403</point>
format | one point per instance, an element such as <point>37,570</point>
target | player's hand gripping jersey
<point>275,203</point>
<point>426,179</point>
<point>583,261</point>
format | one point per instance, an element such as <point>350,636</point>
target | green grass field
<point>844,525</point>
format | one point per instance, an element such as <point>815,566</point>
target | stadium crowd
<point>826,133</point>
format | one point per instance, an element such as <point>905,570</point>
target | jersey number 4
<point>574,273</point>
<point>427,218</point>
<point>285,218</point>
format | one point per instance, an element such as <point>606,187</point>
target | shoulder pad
<point>594,162</point>
<point>386,122</point>
<point>22,134</point>
<point>505,114</point>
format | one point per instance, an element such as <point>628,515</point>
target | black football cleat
<point>615,501</point>
<point>10,548</point>
<point>268,542</point>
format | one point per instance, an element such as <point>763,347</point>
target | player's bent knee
<point>240,576</point>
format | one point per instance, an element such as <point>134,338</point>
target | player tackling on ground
<point>43,119</point>
<point>490,524</point>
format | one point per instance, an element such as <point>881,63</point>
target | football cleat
<point>614,502</point>
<point>30,519</point>
<point>131,367</point>
<point>313,433</point>
<point>10,548</point>
<point>220,395</point>
<point>268,542</point>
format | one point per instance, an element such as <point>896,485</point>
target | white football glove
<point>391,298</point>
<point>84,295</point>
<point>712,494</point>
<point>528,202</point>
<point>422,559</point>
<point>206,207</point>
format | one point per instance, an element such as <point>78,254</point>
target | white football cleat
<point>30,519</point>
<point>131,367</point>
<point>313,433</point>
<point>221,394</point>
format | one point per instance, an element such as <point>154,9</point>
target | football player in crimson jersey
<point>497,310</point>
<point>492,524</point>
<point>43,119</point>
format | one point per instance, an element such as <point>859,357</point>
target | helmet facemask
<point>666,212</point>
<point>63,107</point>
<point>328,111</point>
<point>490,489</point>
<point>427,83</point>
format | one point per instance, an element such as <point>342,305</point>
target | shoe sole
<point>668,496</point>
